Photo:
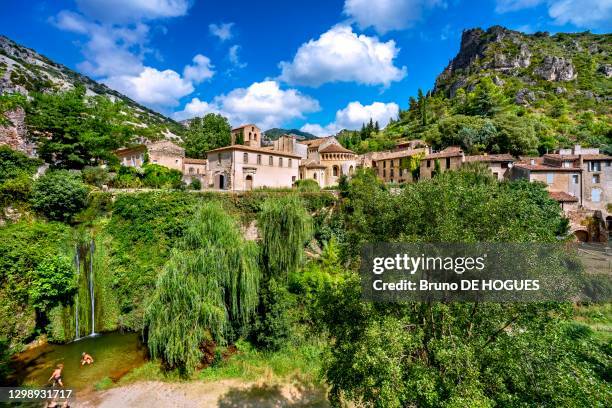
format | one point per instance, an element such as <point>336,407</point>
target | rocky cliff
<point>23,70</point>
<point>577,64</point>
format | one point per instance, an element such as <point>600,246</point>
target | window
<point>596,195</point>
<point>280,162</point>
<point>245,158</point>
<point>504,165</point>
<point>191,170</point>
<point>391,172</point>
<point>176,161</point>
<point>596,179</point>
<point>428,163</point>
<point>574,179</point>
<point>384,173</point>
<point>289,164</point>
<point>293,179</point>
<point>448,162</point>
<point>259,159</point>
<point>567,164</point>
<point>219,158</point>
<point>335,171</point>
<point>400,172</point>
<point>314,176</point>
<point>384,164</point>
<point>271,161</point>
<point>594,166</point>
<point>550,177</point>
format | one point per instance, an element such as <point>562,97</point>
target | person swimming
<point>57,376</point>
<point>86,359</point>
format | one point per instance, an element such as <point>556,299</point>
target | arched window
<point>335,171</point>
<point>245,158</point>
<point>351,170</point>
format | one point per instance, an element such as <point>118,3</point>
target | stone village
<point>579,179</point>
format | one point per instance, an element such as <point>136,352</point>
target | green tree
<point>457,354</point>
<point>14,163</point>
<point>207,291</point>
<point>486,99</point>
<point>59,195</point>
<point>74,130</point>
<point>207,133</point>
<point>54,283</point>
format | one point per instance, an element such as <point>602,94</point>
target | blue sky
<point>316,65</point>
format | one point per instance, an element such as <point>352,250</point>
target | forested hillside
<point>506,91</point>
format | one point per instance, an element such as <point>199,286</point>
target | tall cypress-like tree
<point>207,291</point>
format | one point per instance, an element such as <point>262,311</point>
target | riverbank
<point>227,393</point>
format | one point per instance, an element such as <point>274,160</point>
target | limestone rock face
<point>606,69</point>
<point>524,97</point>
<point>556,69</point>
<point>14,133</point>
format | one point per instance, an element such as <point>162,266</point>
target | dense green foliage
<point>455,354</point>
<point>27,253</point>
<point>275,133</point>
<point>207,291</point>
<point>59,195</point>
<point>150,175</point>
<point>16,171</point>
<point>74,130</point>
<point>206,133</point>
<point>53,283</point>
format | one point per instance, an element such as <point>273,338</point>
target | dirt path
<point>221,394</point>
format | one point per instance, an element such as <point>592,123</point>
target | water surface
<point>114,355</point>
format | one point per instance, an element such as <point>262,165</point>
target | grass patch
<point>598,317</point>
<point>104,384</point>
<point>150,371</point>
<point>296,361</point>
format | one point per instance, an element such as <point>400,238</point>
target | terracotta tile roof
<point>596,157</point>
<point>312,164</point>
<point>562,197</point>
<point>387,155</point>
<point>543,167</point>
<point>243,126</point>
<point>557,156</point>
<point>314,142</point>
<point>490,158</point>
<point>187,160</point>
<point>125,150</point>
<point>335,148</point>
<point>451,151</point>
<point>254,149</point>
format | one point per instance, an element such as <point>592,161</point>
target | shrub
<point>157,176</point>
<point>59,195</point>
<point>95,176</point>
<point>18,188</point>
<point>54,283</point>
<point>307,185</point>
<point>195,184</point>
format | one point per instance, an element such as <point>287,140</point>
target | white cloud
<point>125,11</point>
<point>200,71</point>
<point>263,103</point>
<point>222,31</point>
<point>152,87</point>
<point>114,54</point>
<point>387,15</point>
<point>585,13</point>
<point>504,6</point>
<point>341,55</point>
<point>235,58</point>
<point>353,116</point>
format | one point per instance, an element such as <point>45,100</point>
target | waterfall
<point>91,288</point>
<point>77,334</point>
<point>84,264</point>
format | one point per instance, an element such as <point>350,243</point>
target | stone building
<point>499,164</point>
<point>393,166</point>
<point>326,161</point>
<point>247,135</point>
<point>242,168</point>
<point>450,158</point>
<point>164,152</point>
<point>195,169</point>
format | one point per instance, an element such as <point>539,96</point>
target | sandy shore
<point>222,394</point>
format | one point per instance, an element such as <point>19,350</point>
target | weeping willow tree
<point>285,226</point>
<point>207,291</point>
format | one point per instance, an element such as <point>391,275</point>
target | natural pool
<point>114,354</point>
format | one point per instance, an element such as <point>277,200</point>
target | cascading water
<point>77,260</point>
<point>91,288</point>
<point>84,264</point>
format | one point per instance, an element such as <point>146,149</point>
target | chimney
<point>532,161</point>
